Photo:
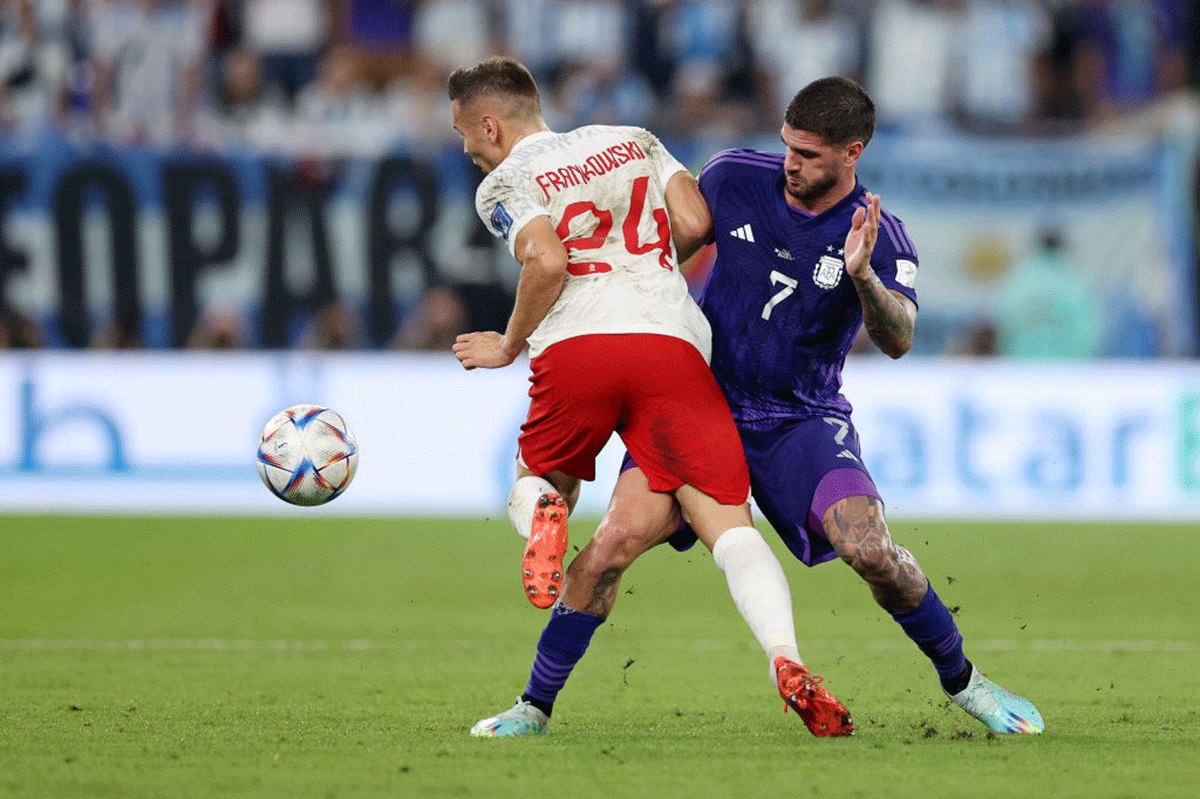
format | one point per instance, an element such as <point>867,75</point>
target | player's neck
<point>524,130</point>
<point>838,192</point>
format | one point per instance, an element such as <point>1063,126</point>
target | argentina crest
<point>828,271</point>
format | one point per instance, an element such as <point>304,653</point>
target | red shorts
<point>656,392</point>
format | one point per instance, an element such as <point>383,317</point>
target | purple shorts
<point>798,469</point>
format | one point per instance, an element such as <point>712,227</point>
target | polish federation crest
<point>501,220</point>
<point>828,272</point>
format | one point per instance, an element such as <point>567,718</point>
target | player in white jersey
<point>595,217</point>
<point>602,188</point>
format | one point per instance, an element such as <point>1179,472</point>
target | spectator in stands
<point>1000,47</point>
<point>435,323</point>
<point>33,73</point>
<point>243,114</point>
<point>700,45</point>
<point>290,37</point>
<point>597,82</point>
<point>524,29</point>
<point>378,35</point>
<point>149,68</point>
<point>1058,108</point>
<point>217,329</point>
<point>606,92</point>
<point>335,326</point>
<point>18,331</point>
<point>1129,53</point>
<point>340,114</point>
<point>911,56</point>
<point>1045,310</point>
<point>449,33</point>
<point>113,335</point>
<point>795,42</point>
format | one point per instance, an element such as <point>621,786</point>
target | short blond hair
<point>499,77</point>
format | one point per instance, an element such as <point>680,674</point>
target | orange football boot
<point>542,565</point>
<point>824,716</point>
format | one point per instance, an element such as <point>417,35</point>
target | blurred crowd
<point>357,76</point>
<point>314,79</point>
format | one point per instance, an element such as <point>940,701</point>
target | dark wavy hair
<point>836,109</point>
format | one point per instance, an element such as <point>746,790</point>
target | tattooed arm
<point>889,316</point>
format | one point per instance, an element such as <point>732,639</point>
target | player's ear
<point>491,128</point>
<point>853,150</point>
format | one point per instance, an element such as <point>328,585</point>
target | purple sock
<point>932,627</point>
<point>562,644</point>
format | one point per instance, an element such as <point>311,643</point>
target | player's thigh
<point>709,518</point>
<point>575,402</point>
<point>799,468</point>
<point>679,429</point>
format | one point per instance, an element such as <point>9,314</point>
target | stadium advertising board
<point>139,432</point>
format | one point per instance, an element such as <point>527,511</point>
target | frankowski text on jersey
<point>593,166</point>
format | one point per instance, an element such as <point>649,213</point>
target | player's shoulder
<point>610,133</point>
<point>507,174</point>
<point>741,163</point>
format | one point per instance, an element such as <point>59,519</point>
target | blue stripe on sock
<point>563,643</point>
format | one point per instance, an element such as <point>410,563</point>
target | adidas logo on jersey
<point>744,232</point>
<point>786,254</point>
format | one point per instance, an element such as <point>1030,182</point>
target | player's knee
<point>616,545</point>
<point>873,563</point>
<point>856,528</point>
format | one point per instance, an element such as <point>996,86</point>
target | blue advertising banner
<point>143,245</point>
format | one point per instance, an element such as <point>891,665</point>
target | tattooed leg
<point>859,534</point>
<point>636,521</point>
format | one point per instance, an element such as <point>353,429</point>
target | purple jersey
<point>782,309</point>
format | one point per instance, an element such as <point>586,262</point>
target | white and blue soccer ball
<point>307,455</point>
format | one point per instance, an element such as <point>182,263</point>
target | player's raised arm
<point>543,268</point>
<point>691,220</point>
<point>889,316</point>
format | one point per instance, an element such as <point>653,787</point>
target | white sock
<point>759,589</point>
<point>522,502</point>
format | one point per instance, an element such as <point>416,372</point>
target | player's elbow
<point>545,263</point>
<point>893,342</point>
<point>692,226</point>
<point>896,346</point>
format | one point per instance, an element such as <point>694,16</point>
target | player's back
<point>603,188</point>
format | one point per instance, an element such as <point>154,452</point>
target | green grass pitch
<point>332,657</point>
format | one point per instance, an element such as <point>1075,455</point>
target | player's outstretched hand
<point>487,349</point>
<point>860,241</point>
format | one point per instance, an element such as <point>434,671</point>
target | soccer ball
<point>307,455</point>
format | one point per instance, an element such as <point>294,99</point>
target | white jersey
<point>603,189</point>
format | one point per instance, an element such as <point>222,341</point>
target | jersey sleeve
<point>506,206</point>
<point>712,175</point>
<point>895,257</point>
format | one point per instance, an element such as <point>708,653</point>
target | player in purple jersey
<point>785,303</point>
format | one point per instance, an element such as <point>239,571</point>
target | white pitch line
<point>408,644</point>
